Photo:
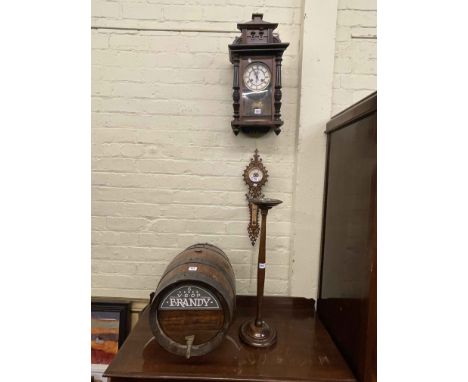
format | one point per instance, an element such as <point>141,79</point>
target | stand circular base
<point>259,336</point>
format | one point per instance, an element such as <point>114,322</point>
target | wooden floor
<point>304,351</point>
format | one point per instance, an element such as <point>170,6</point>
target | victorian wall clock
<point>256,56</point>
<point>255,176</point>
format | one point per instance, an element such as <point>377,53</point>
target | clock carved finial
<point>257,16</point>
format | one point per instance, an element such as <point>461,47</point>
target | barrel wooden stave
<point>206,258</point>
<point>213,276</point>
<point>209,323</point>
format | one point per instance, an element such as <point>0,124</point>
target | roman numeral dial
<point>257,76</point>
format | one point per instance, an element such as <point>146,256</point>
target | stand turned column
<point>256,331</point>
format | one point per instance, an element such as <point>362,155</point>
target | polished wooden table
<point>304,351</point>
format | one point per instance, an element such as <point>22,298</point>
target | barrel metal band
<point>226,271</point>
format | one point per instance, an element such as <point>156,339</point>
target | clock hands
<point>257,77</point>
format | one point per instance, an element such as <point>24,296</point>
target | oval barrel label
<point>189,297</point>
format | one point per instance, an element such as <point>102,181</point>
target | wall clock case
<point>256,57</point>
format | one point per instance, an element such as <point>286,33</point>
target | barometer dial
<point>255,175</point>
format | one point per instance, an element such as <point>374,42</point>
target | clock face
<point>257,76</point>
<point>255,175</point>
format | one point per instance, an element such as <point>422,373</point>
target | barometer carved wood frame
<point>255,176</point>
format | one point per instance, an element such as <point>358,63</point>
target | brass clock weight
<point>256,56</point>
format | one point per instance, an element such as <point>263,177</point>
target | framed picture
<point>109,328</point>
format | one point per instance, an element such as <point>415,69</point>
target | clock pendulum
<point>257,332</point>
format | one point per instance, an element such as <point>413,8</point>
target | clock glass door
<point>257,93</point>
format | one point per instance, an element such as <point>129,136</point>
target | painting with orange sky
<point>104,336</point>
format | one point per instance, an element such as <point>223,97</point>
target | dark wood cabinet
<point>347,303</point>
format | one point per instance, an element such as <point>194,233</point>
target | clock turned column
<point>278,95</point>
<point>236,97</point>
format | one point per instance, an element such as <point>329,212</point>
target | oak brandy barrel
<point>194,302</point>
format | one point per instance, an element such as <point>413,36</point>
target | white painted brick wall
<point>355,72</point>
<point>166,167</point>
